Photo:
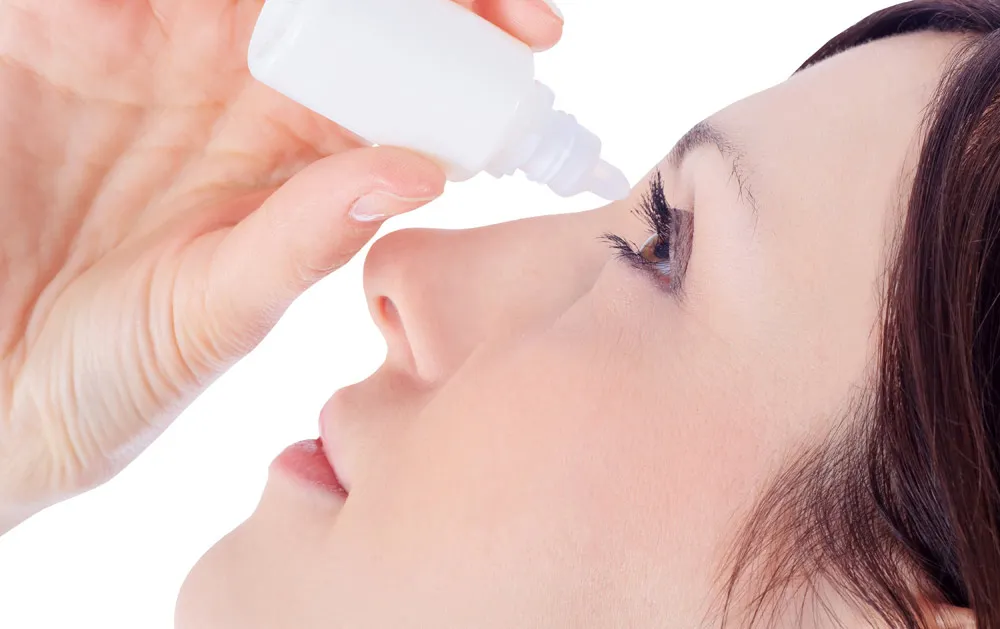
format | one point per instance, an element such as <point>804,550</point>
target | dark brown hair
<point>900,511</point>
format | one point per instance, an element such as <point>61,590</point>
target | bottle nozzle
<point>551,148</point>
<point>608,182</point>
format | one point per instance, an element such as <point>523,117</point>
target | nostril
<point>390,322</point>
<point>387,312</point>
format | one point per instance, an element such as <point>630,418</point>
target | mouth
<point>307,462</point>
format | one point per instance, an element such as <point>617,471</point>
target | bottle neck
<point>550,147</point>
<point>524,134</point>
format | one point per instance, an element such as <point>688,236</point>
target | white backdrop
<point>637,72</point>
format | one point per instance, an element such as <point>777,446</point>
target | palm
<point>147,140</point>
<point>136,259</point>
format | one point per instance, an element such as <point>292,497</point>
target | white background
<point>637,72</point>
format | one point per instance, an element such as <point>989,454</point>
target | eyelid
<point>680,228</point>
<point>682,232</point>
<point>683,242</point>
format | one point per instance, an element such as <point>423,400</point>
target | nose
<point>437,295</point>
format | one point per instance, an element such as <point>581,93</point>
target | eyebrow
<point>705,134</point>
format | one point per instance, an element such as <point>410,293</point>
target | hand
<point>159,211</point>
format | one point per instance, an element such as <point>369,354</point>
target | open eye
<point>659,253</point>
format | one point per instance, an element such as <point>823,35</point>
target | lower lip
<point>306,461</point>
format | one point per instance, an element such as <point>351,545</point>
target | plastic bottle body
<point>428,75</point>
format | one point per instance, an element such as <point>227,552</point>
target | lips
<point>307,461</point>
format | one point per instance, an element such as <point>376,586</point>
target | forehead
<point>829,156</point>
<point>843,134</point>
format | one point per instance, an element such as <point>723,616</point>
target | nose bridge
<point>436,295</point>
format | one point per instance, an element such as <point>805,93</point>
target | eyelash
<point>660,217</point>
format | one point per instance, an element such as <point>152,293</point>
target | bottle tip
<point>609,183</point>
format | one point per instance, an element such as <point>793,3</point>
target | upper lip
<point>327,431</point>
<point>343,421</point>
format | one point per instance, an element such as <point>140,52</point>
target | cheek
<point>503,494</point>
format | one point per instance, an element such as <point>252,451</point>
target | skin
<point>152,193</point>
<point>565,444</point>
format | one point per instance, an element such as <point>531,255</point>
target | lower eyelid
<point>659,273</point>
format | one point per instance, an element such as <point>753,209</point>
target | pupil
<point>662,250</point>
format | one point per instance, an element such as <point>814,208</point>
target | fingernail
<point>377,206</point>
<point>555,9</point>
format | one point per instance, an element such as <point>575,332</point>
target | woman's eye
<point>669,227</point>
<point>656,252</point>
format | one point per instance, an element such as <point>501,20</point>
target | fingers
<point>310,227</point>
<point>535,22</point>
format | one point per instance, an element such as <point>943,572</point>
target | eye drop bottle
<point>431,76</point>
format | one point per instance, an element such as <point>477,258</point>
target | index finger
<point>537,23</point>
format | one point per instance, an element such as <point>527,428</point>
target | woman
<point>778,408</point>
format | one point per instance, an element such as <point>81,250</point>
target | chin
<point>211,595</point>
<point>253,577</point>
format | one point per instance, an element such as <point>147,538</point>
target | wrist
<point>11,518</point>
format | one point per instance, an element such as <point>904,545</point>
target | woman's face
<point>559,439</point>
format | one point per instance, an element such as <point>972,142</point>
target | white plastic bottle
<point>434,77</point>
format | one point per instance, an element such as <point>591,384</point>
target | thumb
<point>307,229</point>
